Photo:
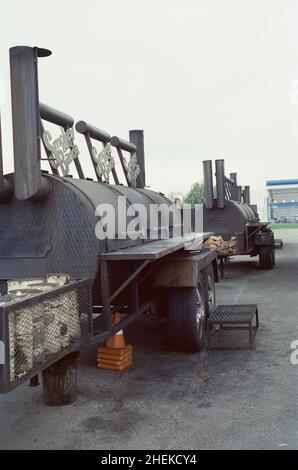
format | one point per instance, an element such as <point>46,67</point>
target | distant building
<point>259,198</point>
<point>282,199</point>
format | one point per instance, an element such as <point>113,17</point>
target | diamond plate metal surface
<point>243,313</point>
<point>58,233</point>
<point>55,235</point>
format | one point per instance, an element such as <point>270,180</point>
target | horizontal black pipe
<point>123,144</point>
<point>101,336</point>
<point>54,116</point>
<point>84,128</point>
<point>42,52</point>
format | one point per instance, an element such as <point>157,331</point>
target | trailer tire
<point>266,257</point>
<point>187,317</point>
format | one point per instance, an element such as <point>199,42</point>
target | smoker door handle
<point>54,116</point>
<point>123,144</point>
<point>84,128</point>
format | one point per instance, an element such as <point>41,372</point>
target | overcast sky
<point>203,78</point>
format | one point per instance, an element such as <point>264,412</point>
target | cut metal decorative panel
<point>133,169</point>
<point>63,149</point>
<point>104,162</point>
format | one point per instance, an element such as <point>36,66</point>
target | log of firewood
<point>60,381</point>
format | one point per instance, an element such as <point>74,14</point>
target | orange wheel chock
<point>115,355</point>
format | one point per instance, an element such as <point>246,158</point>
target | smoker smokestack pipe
<point>246,195</point>
<point>208,183</point>
<point>28,181</point>
<point>220,182</point>
<point>137,137</point>
<point>239,193</point>
<point>5,186</point>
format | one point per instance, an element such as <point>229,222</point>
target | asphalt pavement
<point>217,399</point>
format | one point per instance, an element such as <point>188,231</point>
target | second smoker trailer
<point>229,213</point>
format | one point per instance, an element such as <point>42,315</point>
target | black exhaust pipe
<point>208,183</point>
<point>246,195</point>
<point>220,182</point>
<point>5,186</point>
<point>239,193</point>
<point>28,182</point>
<point>137,137</point>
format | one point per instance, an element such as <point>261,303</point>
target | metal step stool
<point>278,243</point>
<point>236,317</point>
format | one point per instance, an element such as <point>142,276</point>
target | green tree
<point>195,195</point>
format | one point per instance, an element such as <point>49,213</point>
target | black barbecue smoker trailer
<point>230,214</point>
<point>48,221</point>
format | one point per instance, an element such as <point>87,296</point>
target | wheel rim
<point>201,314</point>
<point>211,297</point>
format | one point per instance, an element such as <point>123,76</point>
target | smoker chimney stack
<point>239,193</point>
<point>28,181</point>
<point>208,183</point>
<point>5,186</point>
<point>220,182</point>
<point>246,195</point>
<point>137,138</point>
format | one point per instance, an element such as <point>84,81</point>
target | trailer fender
<point>265,238</point>
<point>183,270</point>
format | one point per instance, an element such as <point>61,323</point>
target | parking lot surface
<point>217,399</point>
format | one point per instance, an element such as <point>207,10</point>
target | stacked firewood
<point>221,246</point>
